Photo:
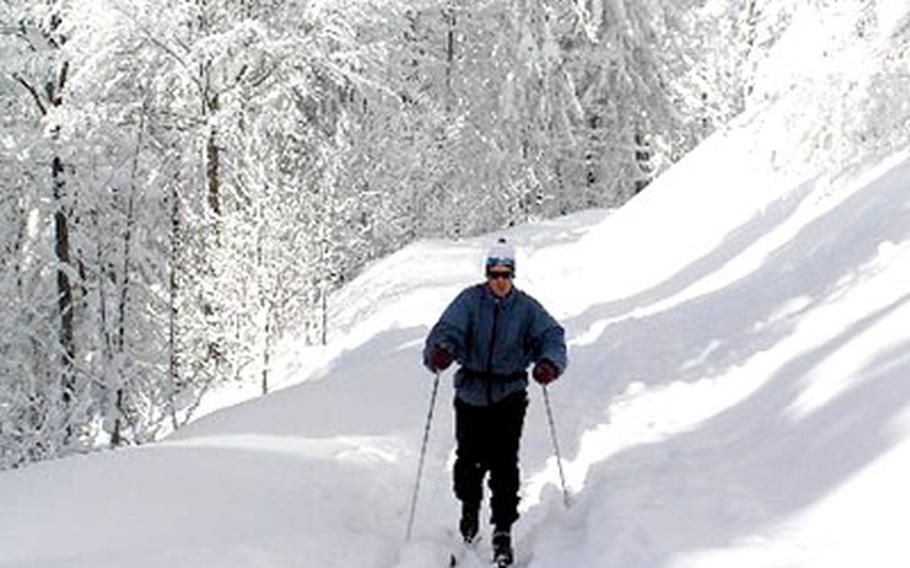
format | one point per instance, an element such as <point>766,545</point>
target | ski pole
<point>423,452</point>
<point>562,475</point>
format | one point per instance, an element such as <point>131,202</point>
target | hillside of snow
<point>738,393</point>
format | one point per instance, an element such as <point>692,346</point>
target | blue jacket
<point>494,340</point>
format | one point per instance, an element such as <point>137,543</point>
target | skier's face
<point>499,279</point>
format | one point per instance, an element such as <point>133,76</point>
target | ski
<point>465,555</point>
<point>469,556</point>
<point>503,556</point>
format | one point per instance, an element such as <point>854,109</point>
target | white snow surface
<point>738,395</point>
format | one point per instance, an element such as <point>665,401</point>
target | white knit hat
<point>501,254</point>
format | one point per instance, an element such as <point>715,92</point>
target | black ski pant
<point>488,441</point>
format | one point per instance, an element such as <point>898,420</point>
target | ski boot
<point>502,549</point>
<point>469,523</point>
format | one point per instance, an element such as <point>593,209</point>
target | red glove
<point>441,359</point>
<point>545,372</point>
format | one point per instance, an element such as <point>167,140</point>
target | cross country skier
<point>494,331</point>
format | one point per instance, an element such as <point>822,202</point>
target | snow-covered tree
<point>185,182</point>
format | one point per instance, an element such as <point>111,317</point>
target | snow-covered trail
<point>319,474</point>
<point>748,404</point>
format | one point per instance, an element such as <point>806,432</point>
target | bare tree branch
<point>34,92</point>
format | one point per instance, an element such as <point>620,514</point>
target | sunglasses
<point>496,274</point>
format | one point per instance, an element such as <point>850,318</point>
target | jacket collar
<point>505,300</point>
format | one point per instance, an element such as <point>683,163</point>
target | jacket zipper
<point>489,373</point>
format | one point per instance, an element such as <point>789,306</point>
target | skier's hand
<point>441,359</point>
<point>545,372</point>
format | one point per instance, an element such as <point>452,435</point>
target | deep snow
<point>737,396</point>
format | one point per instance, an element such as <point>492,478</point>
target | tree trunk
<point>752,17</point>
<point>211,104</point>
<point>64,286</point>
<point>324,339</point>
<point>266,302</point>
<point>267,350</point>
<point>116,436</point>
<point>121,311</point>
<point>213,175</point>
<point>216,350</point>
<point>52,96</point>
<point>65,302</point>
<point>174,289</point>
<point>22,224</point>
<point>643,160</point>
<point>448,14</point>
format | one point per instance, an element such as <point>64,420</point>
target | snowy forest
<point>182,182</point>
